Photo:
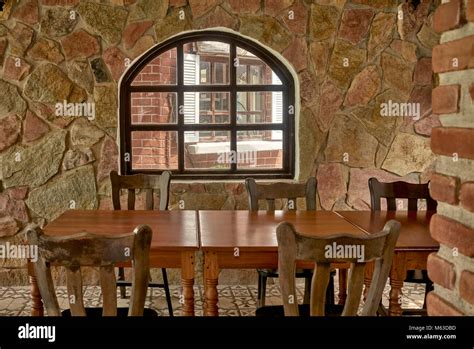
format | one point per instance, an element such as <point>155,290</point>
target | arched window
<point>208,105</point>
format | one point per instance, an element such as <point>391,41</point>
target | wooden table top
<point>414,233</point>
<point>223,230</point>
<point>171,229</point>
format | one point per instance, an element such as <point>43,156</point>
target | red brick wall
<point>452,268</point>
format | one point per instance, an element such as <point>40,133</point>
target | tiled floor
<point>233,300</point>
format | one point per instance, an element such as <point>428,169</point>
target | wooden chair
<point>413,192</point>
<point>270,192</point>
<point>292,246</point>
<point>148,183</point>
<point>103,252</point>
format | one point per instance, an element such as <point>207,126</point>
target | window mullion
<point>180,69</point>
<point>233,102</point>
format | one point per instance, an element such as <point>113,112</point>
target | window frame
<point>287,126</point>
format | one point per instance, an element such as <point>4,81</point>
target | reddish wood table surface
<point>242,239</point>
<point>174,243</point>
<point>411,252</point>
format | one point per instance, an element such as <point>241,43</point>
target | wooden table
<point>174,243</point>
<point>242,239</point>
<point>411,252</point>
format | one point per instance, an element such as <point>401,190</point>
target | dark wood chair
<point>292,246</point>
<point>84,249</point>
<point>149,184</point>
<point>270,192</point>
<point>413,192</point>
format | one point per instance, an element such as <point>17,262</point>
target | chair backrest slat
<point>103,252</point>
<point>290,191</point>
<point>149,183</point>
<point>399,190</point>
<point>323,251</point>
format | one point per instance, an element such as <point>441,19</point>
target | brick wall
<point>452,268</point>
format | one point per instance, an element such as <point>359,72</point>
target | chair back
<point>323,251</point>
<point>290,191</point>
<point>149,183</point>
<point>399,190</point>
<point>84,249</point>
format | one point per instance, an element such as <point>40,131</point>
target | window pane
<point>154,108</point>
<point>157,150</point>
<point>211,154</point>
<point>253,71</point>
<point>206,63</point>
<point>206,108</point>
<point>259,107</point>
<point>257,149</point>
<point>160,71</point>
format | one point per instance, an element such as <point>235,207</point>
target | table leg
<point>187,282</point>
<point>369,271</point>
<point>211,278</point>
<point>342,286</point>
<point>397,276</point>
<point>36,302</point>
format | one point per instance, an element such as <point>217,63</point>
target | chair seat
<point>121,312</point>
<point>273,273</point>
<point>421,279</point>
<point>277,310</point>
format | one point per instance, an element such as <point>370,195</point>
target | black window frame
<point>288,120</point>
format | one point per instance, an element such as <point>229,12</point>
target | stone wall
<point>452,268</point>
<point>351,57</point>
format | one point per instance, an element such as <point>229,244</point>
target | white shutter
<point>277,107</point>
<point>191,99</point>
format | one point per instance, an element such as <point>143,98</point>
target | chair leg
<point>121,277</point>
<point>428,289</point>
<point>307,290</point>
<point>262,290</point>
<point>330,290</point>
<point>167,291</point>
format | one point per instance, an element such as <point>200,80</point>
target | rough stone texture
<point>84,134</point>
<point>108,159</point>
<point>346,60</point>
<point>364,87</point>
<point>77,158</point>
<point>10,100</point>
<point>8,227</point>
<point>275,7</point>
<point>244,6</point>
<point>397,74</point>
<point>408,153</point>
<point>348,136</point>
<point>308,85</point>
<point>56,22</point>
<point>377,3</point>
<point>405,49</point>
<point>43,156</point>
<point>9,131</point>
<point>15,68</point>
<point>297,54</point>
<point>412,18</point>
<point>3,49</point>
<point>426,125</point>
<point>319,55</point>
<point>134,31</point>
<point>33,127</point>
<point>331,100</point>
<point>80,72</point>
<point>332,184</point>
<point>218,17</point>
<point>75,188</point>
<point>13,207</point>
<point>423,73</point>
<point>297,20</point>
<point>115,60</point>
<point>428,36</point>
<point>22,37</point>
<point>358,194</point>
<point>3,30</point>
<point>200,7</point>
<point>323,22</point>
<point>99,70</point>
<point>266,30</point>
<point>156,10</point>
<point>172,24</point>
<point>27,12</point>
<point>355,24</point>
<point>142,45</point>
<point>381,33</point>
<point>105,98</point>
<point>48,50</point>
<point>106,21</point>
<point>49,84</point>
<point>80,44</point>
<point>311,140</point>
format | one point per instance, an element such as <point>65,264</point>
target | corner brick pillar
<point>452,268</point>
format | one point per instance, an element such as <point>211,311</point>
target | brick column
<point>452,268</point>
